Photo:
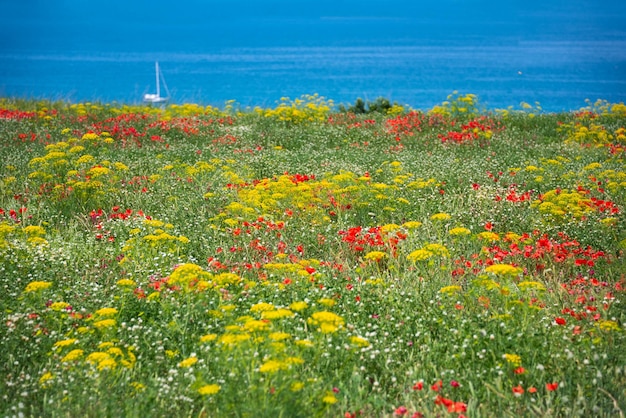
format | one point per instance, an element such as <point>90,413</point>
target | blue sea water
<point>558,53</point>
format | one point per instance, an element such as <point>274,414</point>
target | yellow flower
<point>125,282</point>
<point>106,311</point>
<point>97,356</point>
<point>73,355</point>
<point>272,366</point>
<point>105,323</point>
<point>209,389</point>
<point>277,314</point>
<point>359,341</point>
<point>609,221</point>
<point>294,360</point>
<point>261,307</point>
<point>233,339</point>
<point>85,159</point>
<point>503,270</point>
<point>412,224</point>
<point>327,322</point>
<point>98,171</point>
<point>65,343</point>
<point>449,290</point>
<point>437,249</point>
<point>34,230</point>
<point>459,231</point>
<point>116,351</point>
<point>329,399</point>
<point>184,273</point>
<point>419,255</point>
<point>440,217</point>
<point>207,338</point>
<point>89,136</point>
<point>531,285</point>
<point>139,387</point>
<point>188,362</point>
<point>59,306</point>
<point>107,364</point>
<point>327,302</point>
<point>279,336</point>
<point>298,306</point>
<point>256,325</point>
<point>486,283</point>
<point>489,236</point>
<point>513,359</point>
<point>45,378</point>
<point>296,386</point>
<point>36,286</point>
<point>375,255</point>
<point>76,149</point>
<point>607,325</point>
<point>36,241</point>
<point>389,227</point>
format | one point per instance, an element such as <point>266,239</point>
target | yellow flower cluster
<point>209,389</point>
<point>428,251</point>
<point>191,277</point>
<point>503,270</point>
<point>457,105</point>
<point>513,359</point>
<point>37,286</point>
<point>308,108</point>
<point>559,203</point>
<point>327,322</point>
<point>419,255</point>
<point>531,285</point>
<point>273,366</point>
<point>188,362</point>
<point>458,231</point>
<point>450,290</point>
<point>375,255</point>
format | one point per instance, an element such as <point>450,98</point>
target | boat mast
<point>158,91</point>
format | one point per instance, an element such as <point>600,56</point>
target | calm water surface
<point>557,53</point>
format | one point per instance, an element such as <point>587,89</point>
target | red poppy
<point>457,407</point>
<point>401,410</point>
<point>437,386</point>
<point>550,387</point>
<point>518,390</point>
<point>560,321</point>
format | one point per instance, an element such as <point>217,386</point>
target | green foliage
<point>299,261</point>
<point>380,105</point>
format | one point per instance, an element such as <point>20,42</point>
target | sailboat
<point>156,98</point>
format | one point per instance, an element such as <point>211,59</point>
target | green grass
<point>299,261</point>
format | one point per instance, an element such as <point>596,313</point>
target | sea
<point>552,54</point>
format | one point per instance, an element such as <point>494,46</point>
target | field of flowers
<point>298,261</point>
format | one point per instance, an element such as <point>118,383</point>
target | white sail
<point>156,98</point>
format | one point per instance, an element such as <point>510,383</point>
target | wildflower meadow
<point>308,261</point>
